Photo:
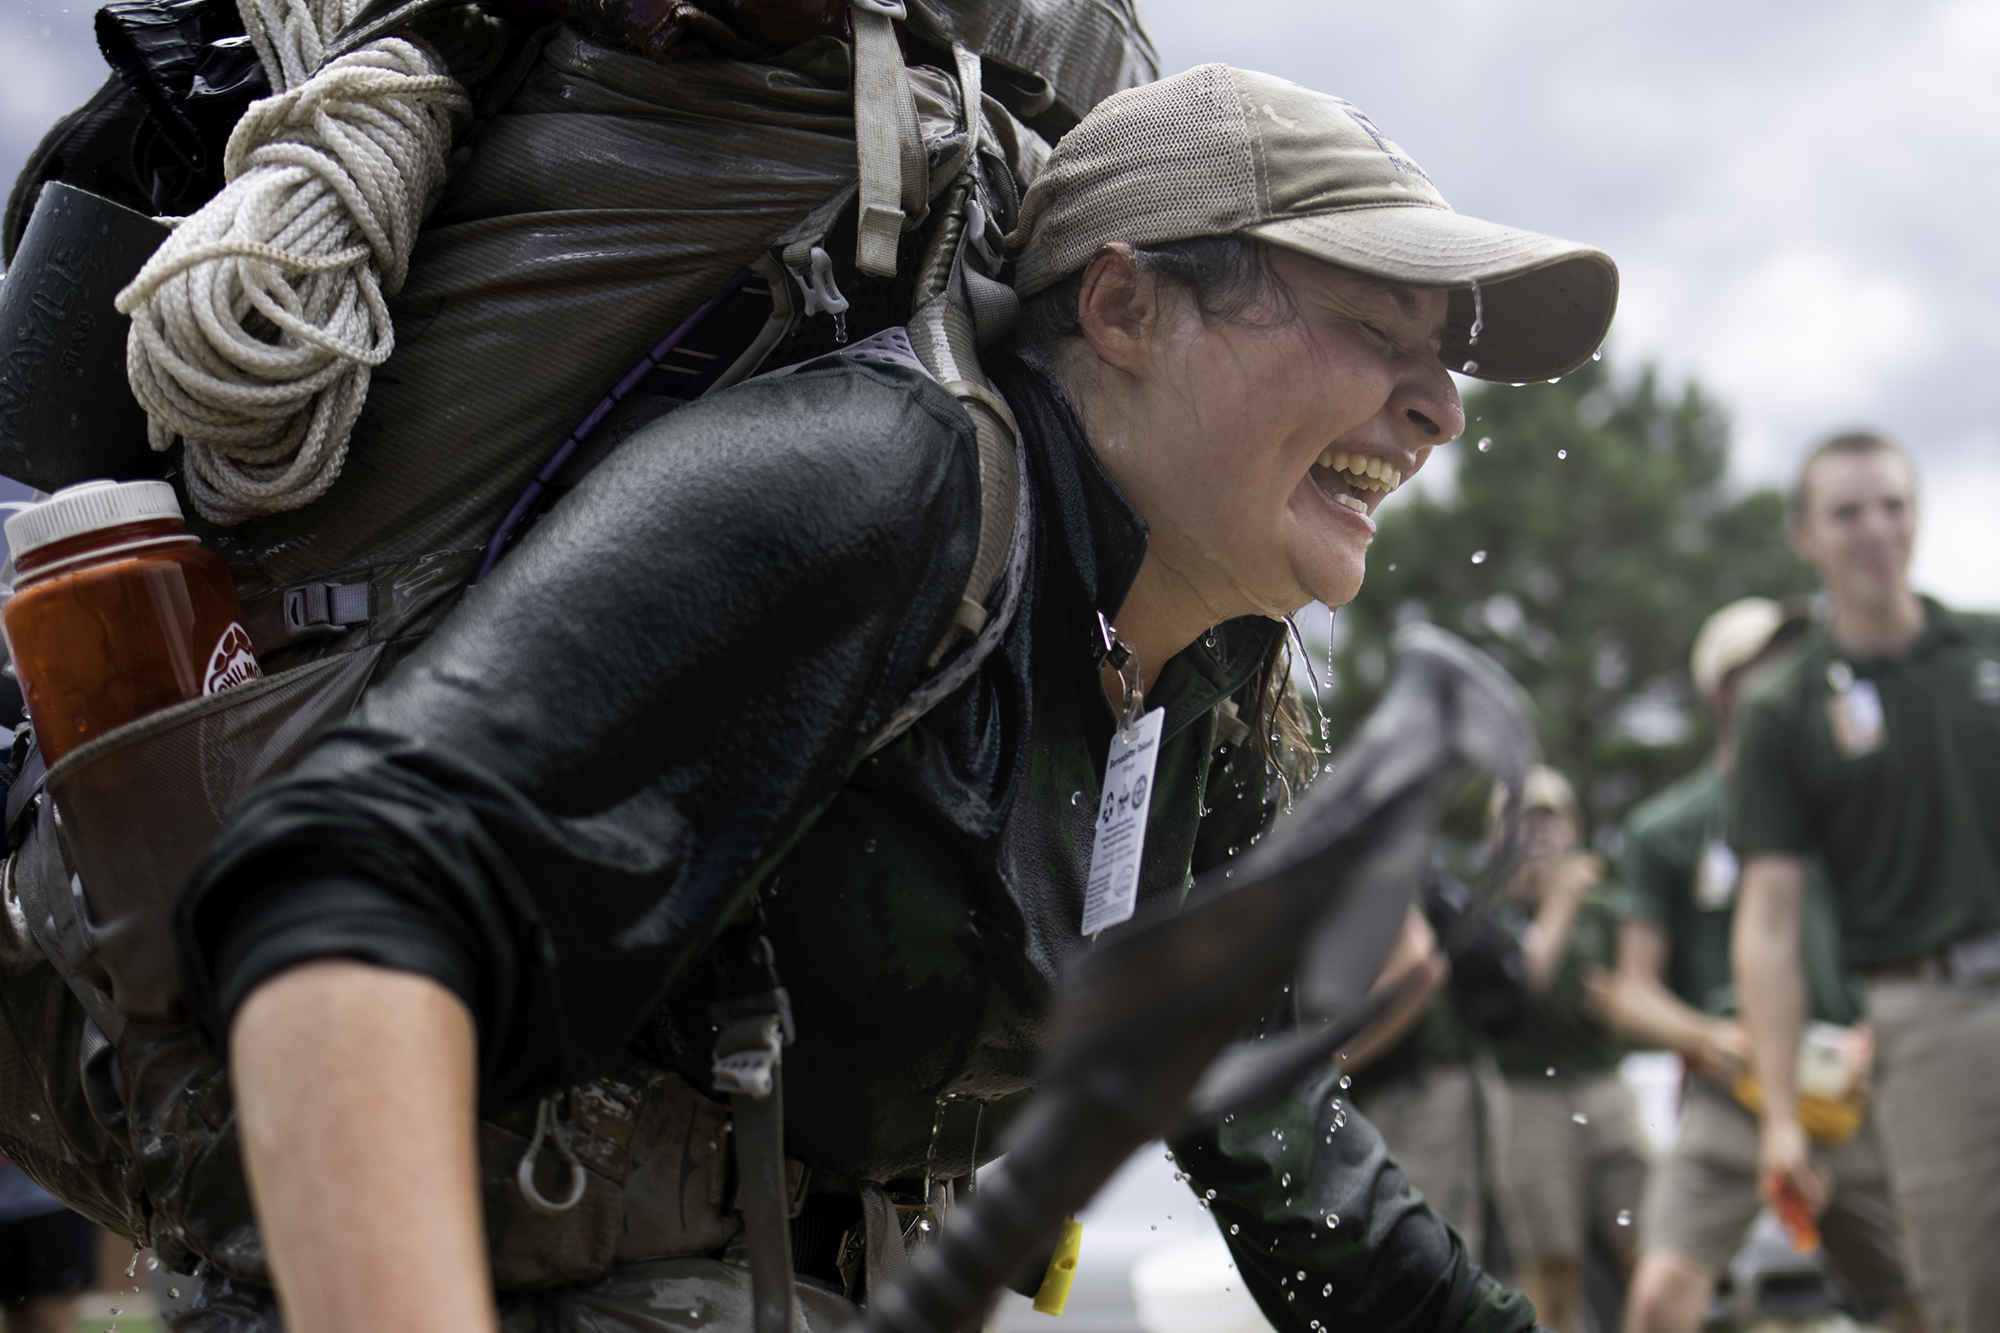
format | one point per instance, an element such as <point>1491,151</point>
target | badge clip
<point>1118,654</point>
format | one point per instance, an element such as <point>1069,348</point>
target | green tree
<point>1590,530</point>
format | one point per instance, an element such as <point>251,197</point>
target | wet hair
<point>1849,445</point>
<point>1227,279</point>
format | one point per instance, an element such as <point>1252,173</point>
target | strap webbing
<point>895,175</point>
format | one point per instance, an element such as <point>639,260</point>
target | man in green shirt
<point>1572,1157</point>
<point>1673,990</point>
<point>1878,748</point>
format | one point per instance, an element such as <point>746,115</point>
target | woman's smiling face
<point>1259,448</point>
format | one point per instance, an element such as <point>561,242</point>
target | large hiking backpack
<point>617,238</point>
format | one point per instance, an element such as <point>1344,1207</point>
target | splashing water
<point>1578,1117</point>
<point>1624,1217</point>
<point>1561,454</point>
<point>1469,368</point>
<point>1479,557</point>
<point>1485,443</point>
<point>1478,316</point>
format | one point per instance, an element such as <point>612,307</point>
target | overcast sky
<point>1801,196</point>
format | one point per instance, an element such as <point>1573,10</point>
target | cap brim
<point>1546,303</point>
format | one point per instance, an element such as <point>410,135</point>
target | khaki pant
<point>1432,1122</point>
<point>1703,1197</point>
<point>1938,1103</point>
<point>1572,1163</point>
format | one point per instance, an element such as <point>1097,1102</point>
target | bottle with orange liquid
<point>117,611</point>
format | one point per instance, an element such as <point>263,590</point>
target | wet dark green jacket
<point>659,709</point>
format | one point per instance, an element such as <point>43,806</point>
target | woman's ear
<point>1118,308</point>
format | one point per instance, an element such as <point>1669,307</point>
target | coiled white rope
<point>256,326</point>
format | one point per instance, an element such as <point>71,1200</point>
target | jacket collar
<point>1090,518</point>
<point>1104,538</point>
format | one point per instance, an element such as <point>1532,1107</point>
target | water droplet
<point>868,846</point>
<point>1209,642</point>
<point>1291,1295</point>
<point>1302,1275</point>
<point>1327,1290</point>
<point>1555,379</point>
<point>34,1117</point>
<point>1479,557</point>
<point>1392,568</point>
<point>1624,1217</point>
<point>1485,443</point>
<point>1597,356</point>
<point>923,1224</point>
<point>1076,798</point>
<point>1478,317</point>
<point>1469,368</point>
<point>174,1292</point>
<point>1550,1071</point>
<point>1578,1117</point>
<point>1346,1081</point>
<point>1156,1226</point>
<point>1332,1221</point>
<point>1234,1229</point>
<point>1561,454</point>
<point>1285,1179</point>
<point>116,1310</point>
<point>152,1264</point>
<point>1210,1195</point>
<point>132,1269</point>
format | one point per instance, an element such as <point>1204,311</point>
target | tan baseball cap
<point>1543,789</point>
<point>1218,151</point>
<point>1734,636</point>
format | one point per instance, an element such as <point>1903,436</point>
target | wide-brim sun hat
<point>1219,151</point>
<point>1738,635</point>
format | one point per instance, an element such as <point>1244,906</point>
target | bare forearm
<point>1770,981</point>
<point>355,1093</point>
<point>1638,1004</point>
<point>1650,1015</point>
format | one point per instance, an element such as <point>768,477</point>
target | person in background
<point>47,1255</point>
<point>1429,1082</point>
<point>1672,990</point>
<point>1573,1154</point>
<point>1878,749</point>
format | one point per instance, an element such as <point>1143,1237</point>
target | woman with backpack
<point>665,793</point>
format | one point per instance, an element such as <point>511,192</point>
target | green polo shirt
<point>1682,876</point>
<point>1558,1033</point>
<point>1906,820</point>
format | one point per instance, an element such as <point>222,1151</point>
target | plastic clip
<point>822,294</point>
<point>546,1128</point>
<point>746,1056</point>
<point>976,223</point>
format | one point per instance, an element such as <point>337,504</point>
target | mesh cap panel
<point>1160,163</point>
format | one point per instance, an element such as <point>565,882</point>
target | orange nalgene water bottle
<point>117,611</point>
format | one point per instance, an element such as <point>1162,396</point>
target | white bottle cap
<point>90,506</point>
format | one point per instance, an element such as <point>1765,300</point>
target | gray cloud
<point>1799,194</point>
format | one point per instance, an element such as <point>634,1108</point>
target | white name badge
<point>1715,876</point>
<point>1855,713</point>
<point>1112,892</point>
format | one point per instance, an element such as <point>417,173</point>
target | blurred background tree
<point>1589,530</point>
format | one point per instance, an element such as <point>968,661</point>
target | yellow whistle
<point>1054,1291</point>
